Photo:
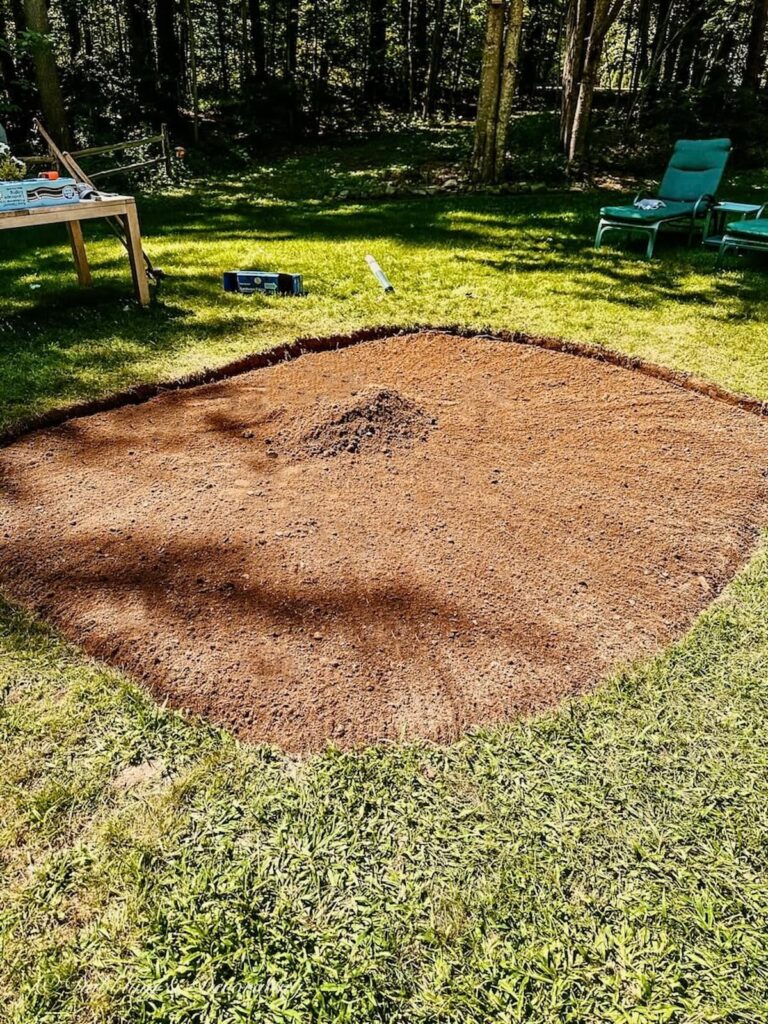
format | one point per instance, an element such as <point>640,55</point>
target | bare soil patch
<point>378,421</point>
<point>398,539</point>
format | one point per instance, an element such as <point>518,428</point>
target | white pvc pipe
<point>379,274</point>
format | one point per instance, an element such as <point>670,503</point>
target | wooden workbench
<point>122,208</point>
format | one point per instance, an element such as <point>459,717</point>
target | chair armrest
<point>702,204</point>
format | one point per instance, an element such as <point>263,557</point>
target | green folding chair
<point>748,235</point>
<point>686,193</point>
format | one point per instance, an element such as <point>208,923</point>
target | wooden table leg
<point>78,252</point>
<point>135,255</point>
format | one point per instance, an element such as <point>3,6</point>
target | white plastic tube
<point>379,274</point>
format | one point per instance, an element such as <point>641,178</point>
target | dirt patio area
<point>400,539</point>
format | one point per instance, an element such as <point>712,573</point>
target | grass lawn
<point>607,863</point>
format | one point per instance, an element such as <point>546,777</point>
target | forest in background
<point>251,71</point>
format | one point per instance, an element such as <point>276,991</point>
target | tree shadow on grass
<point>632,280</point>
<point>58,343</point>
<point>101,348</point>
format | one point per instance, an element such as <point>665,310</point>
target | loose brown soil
<point>402,538</point>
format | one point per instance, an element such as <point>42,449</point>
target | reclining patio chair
<point>685,195</point>
<point>744,234</point>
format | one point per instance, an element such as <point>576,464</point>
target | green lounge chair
<point>744,234</point>
<point>687,191</point>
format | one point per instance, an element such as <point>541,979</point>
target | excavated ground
<point>399,539</point>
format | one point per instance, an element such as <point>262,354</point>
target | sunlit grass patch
<point>603,863</point>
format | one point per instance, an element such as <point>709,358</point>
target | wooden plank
<point>98,150</point>
<point>79,255</point>
<point>128,167</point>
<point>148,140</point>
<point>136,254</point>
<point>86,210</point>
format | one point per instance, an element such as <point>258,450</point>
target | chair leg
<point>599,235</point>
<point>652,232</point>
<point>720,254</point>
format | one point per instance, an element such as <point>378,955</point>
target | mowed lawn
<point>607,863</point>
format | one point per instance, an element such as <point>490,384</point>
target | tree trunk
<point>755,63</point>
<point>483,157</point>
<point>139,29</point>
<point>257,41</point>
<point>406,23</point>
<point>190,25</point>
<point>271,21</point>
<point>576,152</point>
<point>642,50</point>
<point>46,72</point>
<point>420,47</point>
<point>169,62</point>
<point>458,53</point>
<point>435,59</point>
<point>686,67</point>
<point>291,39</point>
<point>498,77</point>
<point>221,40</point>
<point>508,84</point>
<point>377,50</point>
<point>573,59</point>
<point>588,25</point>
<point>73,19</point>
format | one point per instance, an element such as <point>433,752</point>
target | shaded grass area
<point>521,262</point>
<point>605,863</point>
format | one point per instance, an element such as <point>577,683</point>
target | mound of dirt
<point>378,421</point>
<point>565,516</point>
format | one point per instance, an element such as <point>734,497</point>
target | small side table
<point>720,214</point>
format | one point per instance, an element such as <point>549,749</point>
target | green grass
<point>607,863</point>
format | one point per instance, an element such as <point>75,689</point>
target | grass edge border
<point>305,345</point>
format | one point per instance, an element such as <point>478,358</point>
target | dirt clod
<point>562,517</point>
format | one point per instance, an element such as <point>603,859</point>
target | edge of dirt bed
<point>141,393</point>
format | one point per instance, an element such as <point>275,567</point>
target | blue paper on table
<point>35,193</point>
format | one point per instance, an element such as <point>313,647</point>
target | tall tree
<point>221,40</point>
<point>641,55</point>
<point>587,24</point>
<point>420,45</point>
<point>377,50</point>
<point>141,53</point>
<point>415,35</point>
<point>73,19</point>
<point>169,59</point>
<point>291,38</point>
<point>498,80</point>
<point>46,72</point>
<point>258,51</point>
<point>189,28</point>
<point>435,58</point>
<point>755,62</point>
